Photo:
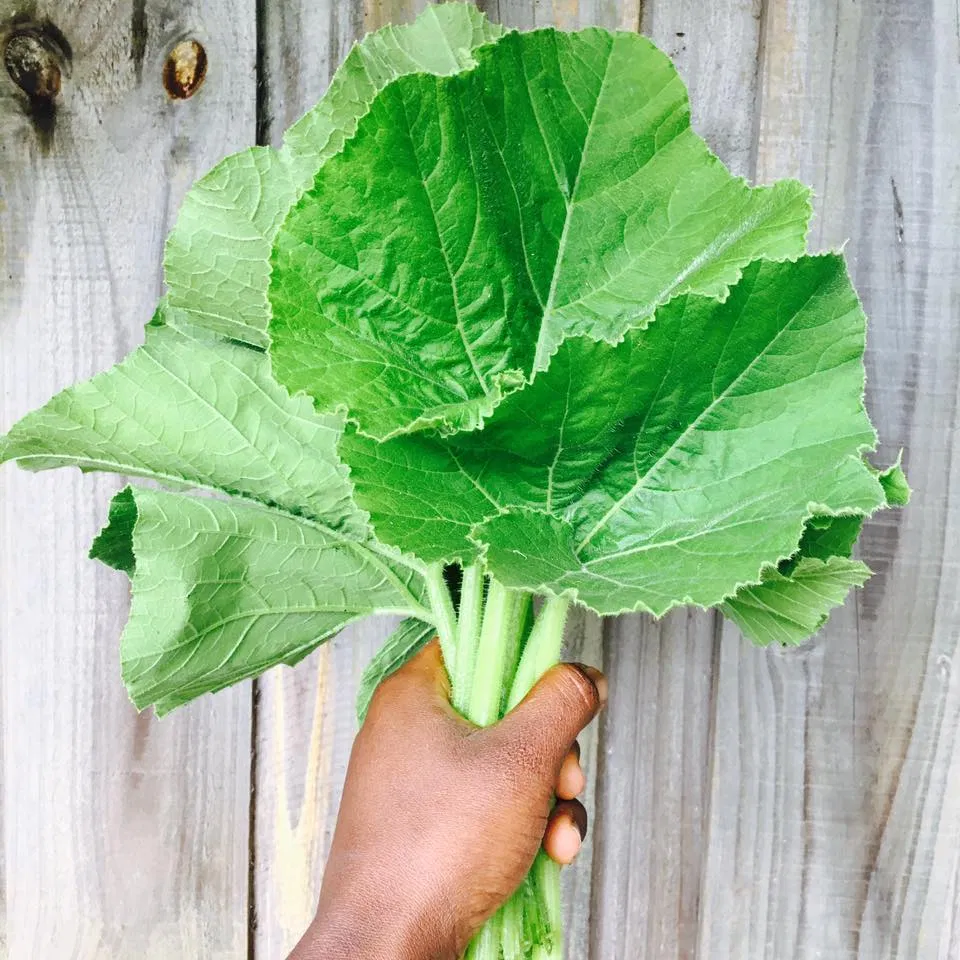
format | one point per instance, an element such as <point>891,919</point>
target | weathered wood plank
<point>656,736</point>
<point>566,14</point>
<point>834,811</point>
<point>306,722</point>
<point>305,717</point>
<point>123,837</point>
<point>653,787</point>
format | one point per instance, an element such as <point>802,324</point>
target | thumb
<point>542,727</point>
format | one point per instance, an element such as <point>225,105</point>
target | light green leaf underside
<point>788,609</point>
<point>222,590</point>
<point>196,411</point>
<point>793,601</point>
<point>668,469</point>
<point>217,260</point>
<point>405,642</point>
<point>476,219</point>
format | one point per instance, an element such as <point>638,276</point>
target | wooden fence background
<point>747,804</point>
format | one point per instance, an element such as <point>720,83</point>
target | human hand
<point>441,820</point>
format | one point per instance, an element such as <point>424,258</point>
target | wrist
<point>366,929</point>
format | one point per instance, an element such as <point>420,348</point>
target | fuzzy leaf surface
<point>195,411</point>
<point>788,609</point>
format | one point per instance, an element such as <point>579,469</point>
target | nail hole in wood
<point>35,55</point>
<point>33,66</point>
<point>185,69</point>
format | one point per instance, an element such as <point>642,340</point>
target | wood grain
<point>657,734</point>
<point>583,643</point>
<point>834,809</point>
<point>305,718</point>
<point>306,722</point>
<point>123,837</point>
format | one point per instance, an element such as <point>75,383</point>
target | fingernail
<point>579,817</point>
<point>597,678</point>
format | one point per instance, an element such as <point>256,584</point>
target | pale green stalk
<point>511,940</point>
<point>486,945</point>
<point>445,618</point>
<point>542,650</point>
<point>468,637</point>
<point>546,879</point>
<point>489,677</point>
<point>494,663</point>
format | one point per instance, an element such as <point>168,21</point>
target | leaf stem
<point>490,675</point>
<point>543,648</point>
<point>498,650</point>
<point>443,614</point>
<point>546,882</point>
<point>468,636</point>
<point>486,946</point>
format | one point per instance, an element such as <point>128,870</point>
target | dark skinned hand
<point>441,820</point>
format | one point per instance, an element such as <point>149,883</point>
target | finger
<point>566,830</point>
<point>543,727</point>
<point>571,781</point>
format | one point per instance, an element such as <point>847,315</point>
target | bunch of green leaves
<point>493,304</point>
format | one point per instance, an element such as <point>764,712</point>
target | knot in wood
<point>185,69</point>
<point>33,64</point>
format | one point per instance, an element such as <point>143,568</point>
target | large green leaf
<point>195,411</point>
<point>223,589</point>
<point>217,261</point>
<point>476,219</point>
<point>668,469</point>
<point>198,411</point>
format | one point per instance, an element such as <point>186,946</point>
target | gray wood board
<point>658,733</point>
<point>124,837</point>
<point>834,809</point>
<point>305,717</point>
